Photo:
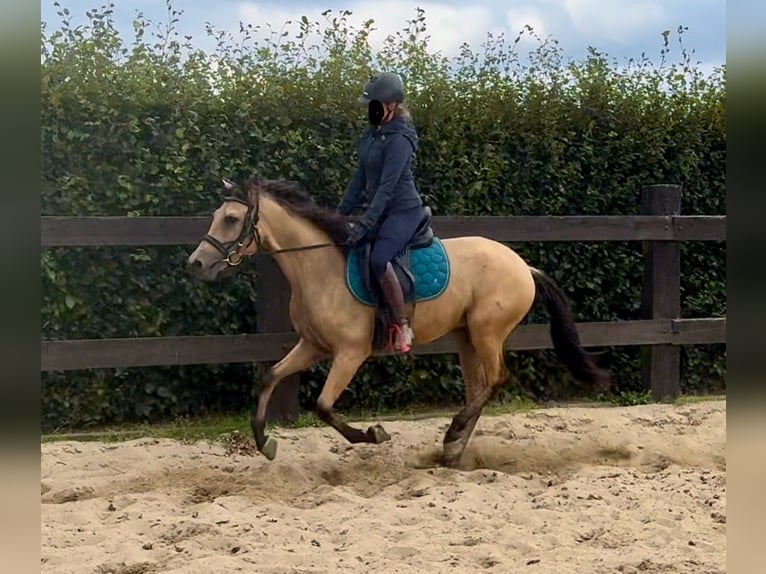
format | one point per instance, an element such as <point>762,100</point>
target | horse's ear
<point>228,184</point>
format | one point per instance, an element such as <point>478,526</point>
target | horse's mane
<point>294,198</point>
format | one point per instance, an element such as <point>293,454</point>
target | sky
<point>621,28</point>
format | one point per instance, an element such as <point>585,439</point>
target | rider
<point>384,178</point>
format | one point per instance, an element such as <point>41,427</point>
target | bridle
<point>230,251</point>
<point>249,233</point>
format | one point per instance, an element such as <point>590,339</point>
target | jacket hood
<point>401,125</point>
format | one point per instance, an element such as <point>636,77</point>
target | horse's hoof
<point>378,434</point>
<point>452,453</point>
<point>269,449</point>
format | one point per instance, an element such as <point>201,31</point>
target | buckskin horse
<point>473,288</point>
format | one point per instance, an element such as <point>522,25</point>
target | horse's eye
<point>230,219</point>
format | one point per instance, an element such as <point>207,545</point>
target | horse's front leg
<point>343,369</point>
<point>300,357</point>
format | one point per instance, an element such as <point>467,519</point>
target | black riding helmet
<point>384,87</point>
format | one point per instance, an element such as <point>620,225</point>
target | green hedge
<point>145,128</point>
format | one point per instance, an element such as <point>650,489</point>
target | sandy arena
<point>571,490</point>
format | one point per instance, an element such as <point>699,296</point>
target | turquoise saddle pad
<point>430,267</point>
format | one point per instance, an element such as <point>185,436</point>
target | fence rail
<point>262,347</point>
<point>660,227</point>
<point>135,231</point>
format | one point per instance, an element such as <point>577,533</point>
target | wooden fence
<point>660,332</point>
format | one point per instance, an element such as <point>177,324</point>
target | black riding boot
<point>394,296</point>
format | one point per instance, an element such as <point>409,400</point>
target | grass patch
<point>185,429</point>
<point>190,429</point>
<point>692,399</point>
<point>633,398</point>
<point>215,427</point>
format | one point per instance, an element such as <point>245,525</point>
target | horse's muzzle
<point>197,268</point>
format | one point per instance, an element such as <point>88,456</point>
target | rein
<point>231,249</point>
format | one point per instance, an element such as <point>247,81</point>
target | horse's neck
<point>307,271</point>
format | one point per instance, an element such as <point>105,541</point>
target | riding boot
<point>392,292</point>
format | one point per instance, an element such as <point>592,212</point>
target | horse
<point>490,289</point>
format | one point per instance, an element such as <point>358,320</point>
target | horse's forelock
<point>241,192</point>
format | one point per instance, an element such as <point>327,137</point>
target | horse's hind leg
<point>343,369</point>
<point>484,357</point>
<point>300,357</point>
<point>473,376</point>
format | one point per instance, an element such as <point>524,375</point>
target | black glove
<point>357,232</point>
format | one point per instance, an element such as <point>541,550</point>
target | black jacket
<point>384,176</point>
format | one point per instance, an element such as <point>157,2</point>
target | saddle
<point>422,238</point>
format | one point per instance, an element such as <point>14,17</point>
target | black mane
<point>293,197</point>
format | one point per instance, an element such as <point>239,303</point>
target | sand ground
<point>567,490</point>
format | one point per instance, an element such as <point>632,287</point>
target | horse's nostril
<point>195,264</point>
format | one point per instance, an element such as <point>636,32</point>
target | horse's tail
<point>566,340</point>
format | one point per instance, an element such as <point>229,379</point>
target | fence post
<point>273,316</point>
<point>661,296</point>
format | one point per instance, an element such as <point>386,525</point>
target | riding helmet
<point>384,87</point>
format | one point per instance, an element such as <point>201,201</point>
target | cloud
<point>526,15</point>
<point>616,21</point>
<point>447,26</point>
<point>622,28</point>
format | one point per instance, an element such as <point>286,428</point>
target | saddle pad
<point>430,267</point>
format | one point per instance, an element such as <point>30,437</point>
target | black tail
<point>566,340</point>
